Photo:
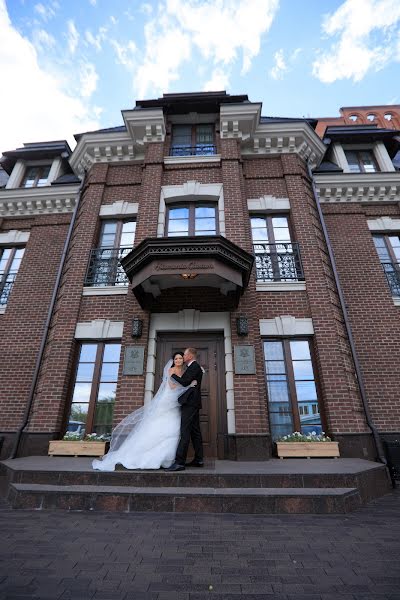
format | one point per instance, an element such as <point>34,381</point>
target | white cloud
<point>72,36</point>
<point>96,40</point>
<point>88,79</point>
<point>219,80</point>
<point>146,8</point>
<point>125,54</point>
<point>219,31</point>
<point>365,32</point>
<point>280,66</point>
<point>93,2</point>
<point>34,105</point>
<point>46,12</point>
<point>43,40</point>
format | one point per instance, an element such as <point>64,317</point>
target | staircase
<point>319,486</point>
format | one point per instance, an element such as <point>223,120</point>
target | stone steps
<point>126,498</point>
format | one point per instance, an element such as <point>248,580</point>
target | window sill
<point>280,286</point>
<point>396,300</point>
<point>2,310</point>
<point>184,160</point>
<point>107,290</point>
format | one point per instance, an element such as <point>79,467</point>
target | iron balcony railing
<point>392,272</point>
<point>278,262</point>
<point>105,268</point>
<point>197,150</point>
<point>6,284</point>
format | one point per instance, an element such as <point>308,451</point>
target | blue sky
<point>69,66</point>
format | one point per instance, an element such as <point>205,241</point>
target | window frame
<point>3,277</point>
<point>40,168</point>
<point>193,136</point>
<point>118,234</point>
<point>287,357</point>
<point>357,152</point>
<point>95,384</point>
<point>192,217</point>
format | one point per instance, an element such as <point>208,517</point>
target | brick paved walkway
<point>74,556</point>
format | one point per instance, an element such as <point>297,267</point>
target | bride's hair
<point>176,354</point>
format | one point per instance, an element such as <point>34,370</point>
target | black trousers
<point>190,429</point>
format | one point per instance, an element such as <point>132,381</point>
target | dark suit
<point>190,420</point>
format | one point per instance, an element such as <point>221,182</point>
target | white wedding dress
<point>148,437</point>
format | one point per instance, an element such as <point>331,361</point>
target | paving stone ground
<point>159,556</point>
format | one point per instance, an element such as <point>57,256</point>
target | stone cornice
<point>145,125</point>
<point>23,202</point>
<point>358,187</point>
<point>102,148</point>
<point>242,121</point>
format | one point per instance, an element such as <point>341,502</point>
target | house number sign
<point>244,360</point>
<point>133,360</point>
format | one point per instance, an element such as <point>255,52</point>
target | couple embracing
<point>158,434</point>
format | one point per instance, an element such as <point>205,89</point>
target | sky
<point>69,66</point>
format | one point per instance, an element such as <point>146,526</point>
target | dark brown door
<point>210,355</point>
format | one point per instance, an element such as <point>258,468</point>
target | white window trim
<point>286,325</point>
<point>18,172</point>
<point>191,191</point>
<point>384,224</point>
<point>119,209</point>
<point>280,286</point>
<point>99,329</point>
<point>192,320</point>
<point>378,150</point>
<point>107,290</point>
<point>268,203</point>
<point>13,237</point>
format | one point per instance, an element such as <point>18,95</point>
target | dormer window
<point>36,176</point>
<point>192,140</point>
<point>361,161</point>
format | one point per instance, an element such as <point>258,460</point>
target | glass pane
<point>107,392</point>
<point>315,428</point>
<point>103,415</point>
<point>109,227</point>
<point>258,222</point>
<point>178,225</point>
<point>278,391</point>
<point>109,372</point>
<point>112,352</point>
<point>259,235</point>
<point>16,261</point>
<point>278,431</point>
<point>107,241</point>
<point>368,162</point>
<point>43,175</point>
<point>275,366</point>
<point>306,390</point>
<point>178,213</point>
<point>82,392</point>
<point>200,232</point>
<point>303,369</point>
<point>300,350</point>
<point>279,222</point>
<point>282,234</point>
<point>204,211</point>
<point>204,134</point>
<point>310,409</point>
<point>281,414</point>
<point>85,372</point>
<point>182,135</point>
<point>177,233</point>
<point>128,226</point>
<point>273,350</point>
<point>127,239</point>
<point>88,353</point>
<point>205,224</point>
<point>77,418</point>
<point>352,160</point>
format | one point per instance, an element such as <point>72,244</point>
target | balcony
<point>175,269</point>
<point>6,287</point>
<point>197,150</point>
<point>278,262</point>
<point>104,268</point>
<point>392,272</point>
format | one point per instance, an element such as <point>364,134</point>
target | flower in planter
<point>309,437</point>
<point>72,436</point>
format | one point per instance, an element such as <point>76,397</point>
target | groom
<point>190,421</point>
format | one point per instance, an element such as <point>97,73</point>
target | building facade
<point>271,248</point>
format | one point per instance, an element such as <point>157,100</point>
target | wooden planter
<point>307,449</point>
<point>78,448</point>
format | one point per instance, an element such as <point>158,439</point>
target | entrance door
<point>210,355</point>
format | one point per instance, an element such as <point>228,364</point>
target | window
<point>116,240</point>
<point>292,391</point>
<point>361,161</point>
<point>95,386</point>
<point>10,260</point>
<point>388,248</point>
<point>36,176</point>
<point>277,257</point>
<point>189,140</point>
<point>192,219</point>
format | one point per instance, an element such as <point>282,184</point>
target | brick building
<point>198,223</point>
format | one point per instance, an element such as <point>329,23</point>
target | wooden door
<point>210,355</point>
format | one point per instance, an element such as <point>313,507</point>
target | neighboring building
<point>196,224</point>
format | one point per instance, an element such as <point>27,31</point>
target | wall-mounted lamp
<point>188,275</point>
<point>137,327</point>
<point>242,325</point>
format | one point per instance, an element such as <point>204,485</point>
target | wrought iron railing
<point>197,150</point>
<point>105,268</point>
<point>278,262</point>
<point>392,272</point>
<point>6,284</point>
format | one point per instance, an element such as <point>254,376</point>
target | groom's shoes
<point>175,467</point>
<point>195,463</point>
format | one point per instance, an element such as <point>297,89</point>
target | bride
<point>148,437</point>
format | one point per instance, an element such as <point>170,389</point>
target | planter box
<point>68,448</point>
<point>307,449</point>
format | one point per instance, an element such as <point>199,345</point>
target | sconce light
<point>188,275</point>
<point>242,325</point>
<point>137,327</point>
